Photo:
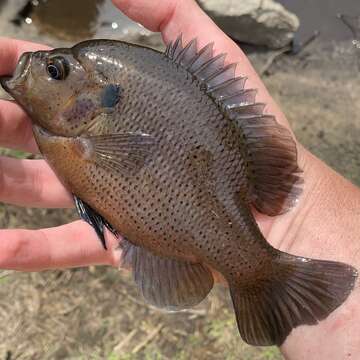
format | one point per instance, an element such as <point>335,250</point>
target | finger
<point>175,17</point>
<point>15,128</point>
<point>31,183</point>
<point>72,245</point>
<point>10,51</point>
<point>63,247</point>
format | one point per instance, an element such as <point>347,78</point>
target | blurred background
<point>308,55</point>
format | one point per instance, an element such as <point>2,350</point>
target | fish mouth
<point>11,82</point>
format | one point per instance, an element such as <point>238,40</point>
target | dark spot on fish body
<point>111,95</point>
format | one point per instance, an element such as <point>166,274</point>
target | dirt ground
<point>95,313</point>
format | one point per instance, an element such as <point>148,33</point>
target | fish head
<point>58,93</point>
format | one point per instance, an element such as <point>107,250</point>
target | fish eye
<point>58,68</point>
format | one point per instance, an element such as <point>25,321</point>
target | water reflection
<point>74,20</point>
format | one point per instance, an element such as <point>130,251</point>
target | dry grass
<point>96,313</point>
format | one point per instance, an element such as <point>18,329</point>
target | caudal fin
<point>300,291</point>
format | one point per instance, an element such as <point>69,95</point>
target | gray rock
<point>258,22</point>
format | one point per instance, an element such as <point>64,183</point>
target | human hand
<point>32,183</point>
<point>315,228</point>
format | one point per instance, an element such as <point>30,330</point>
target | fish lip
<point>22,66</point>
<point>10,82</point>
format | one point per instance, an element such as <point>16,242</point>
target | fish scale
<point>172,151</point>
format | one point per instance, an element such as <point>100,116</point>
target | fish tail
<point>296,291</point>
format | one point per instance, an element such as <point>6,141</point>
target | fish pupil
<point>57,68</point>
<point>53,72</point>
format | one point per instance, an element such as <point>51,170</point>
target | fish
<point>172,151</point>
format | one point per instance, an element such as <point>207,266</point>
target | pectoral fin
<point>126,153</point>
<point>93,219</point>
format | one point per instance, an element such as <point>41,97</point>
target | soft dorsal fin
<point>271,154</point>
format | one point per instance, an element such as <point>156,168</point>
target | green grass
<point>18,154</point>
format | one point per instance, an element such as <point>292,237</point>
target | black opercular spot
<point>111,95</point>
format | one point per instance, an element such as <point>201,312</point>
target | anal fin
<point>167,283</point>
<point>94,219</point>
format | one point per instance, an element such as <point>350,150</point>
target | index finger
<point>67,246</point>
<point>11,50</point>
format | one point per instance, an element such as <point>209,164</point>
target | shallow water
<point>73,20</point>
<point>322,16</point>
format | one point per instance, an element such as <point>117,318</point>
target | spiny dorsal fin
<point>273,173</point>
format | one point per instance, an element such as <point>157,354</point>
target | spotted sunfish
<point>172,151</point>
